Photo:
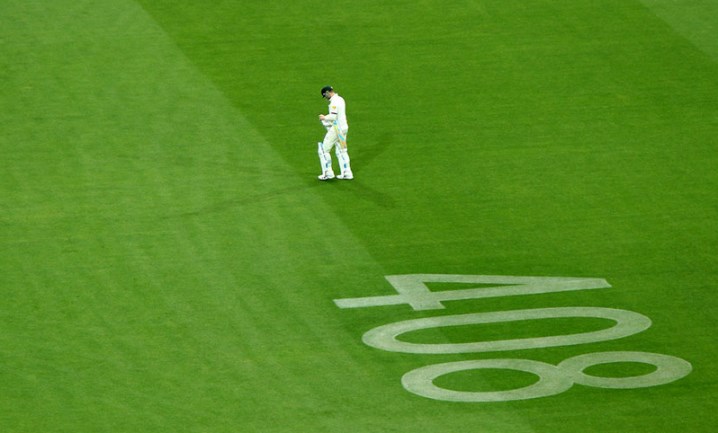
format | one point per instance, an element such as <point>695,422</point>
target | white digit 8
<point>552,379</point>
<point>668,369</point>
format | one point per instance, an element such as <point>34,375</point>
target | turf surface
<point>168,260</point>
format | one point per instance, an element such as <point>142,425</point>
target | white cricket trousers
<point>336,139</point>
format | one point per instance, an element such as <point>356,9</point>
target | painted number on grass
<point>552,379</point>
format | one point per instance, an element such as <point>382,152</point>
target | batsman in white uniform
<point>337,127</point>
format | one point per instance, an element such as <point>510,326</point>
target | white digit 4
<point>412,289</point>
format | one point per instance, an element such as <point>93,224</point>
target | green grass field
<point>170,263</point>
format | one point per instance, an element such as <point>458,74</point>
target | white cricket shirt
<point>338,107</point>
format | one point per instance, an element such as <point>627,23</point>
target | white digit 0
<point>627,323</point>
<point>412,290</point>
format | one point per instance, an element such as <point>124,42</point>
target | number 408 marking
<point>553,379</point>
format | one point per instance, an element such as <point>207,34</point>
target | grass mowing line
<point>696,21</point>
<point>150,267</point>
<point>136,200</point>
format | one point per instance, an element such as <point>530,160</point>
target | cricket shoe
<point>346,176</point>
<point>326,176</point>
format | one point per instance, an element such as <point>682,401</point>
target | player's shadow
<point>366,156</point>
<point>248,200</point>
<point>369,153</point>
<point>373,151</point>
